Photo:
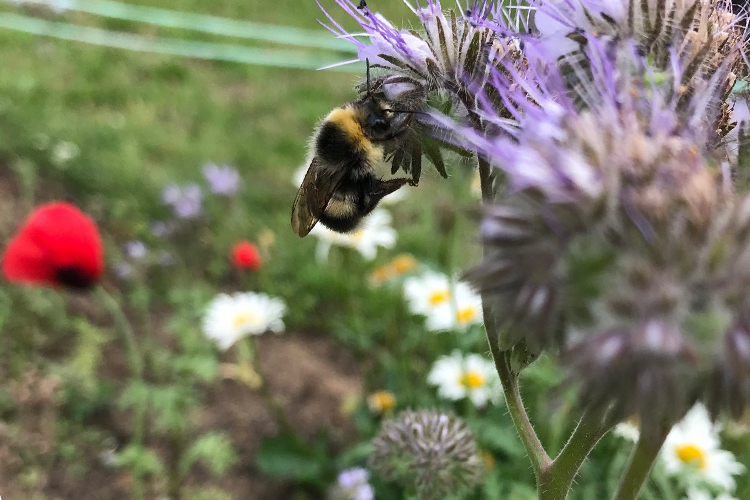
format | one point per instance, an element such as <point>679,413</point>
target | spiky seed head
<point>435,453</point>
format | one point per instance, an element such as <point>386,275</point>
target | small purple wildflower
<point>135,249</point>
<point>186,201</point>
<point>222,180</point>
<point>352,484</point>
<point>165,258</point>
<point>123,270</point>
<point>162,229</point>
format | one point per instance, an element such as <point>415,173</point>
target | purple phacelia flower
<point>186,201</point>
<point>162,229</point>
<point>618,224</point>
<point>700,37</point>
<point>123,270</point>
<point>135,249</point>
<point>222,180</point>
<point>353,484</point>
<point>448,50</point>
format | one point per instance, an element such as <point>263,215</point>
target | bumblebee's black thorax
<point>336,146</point>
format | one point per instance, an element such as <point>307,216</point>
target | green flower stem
<point>540,461</point>
<point>272,405</point>
<point>135,360</point>
<point>641,462</point>
<point>557,479</point>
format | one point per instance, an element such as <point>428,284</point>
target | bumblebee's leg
<point>383,188</point>
<point>375,190</point>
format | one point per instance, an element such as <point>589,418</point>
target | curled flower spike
<point>57,245</point>
<point>620,227</point>
<point>700,37</point>
<point>433,452</point>
<point>450,47</point>
<point>644,371</point>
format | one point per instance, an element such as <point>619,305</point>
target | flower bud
<point>433,452</point>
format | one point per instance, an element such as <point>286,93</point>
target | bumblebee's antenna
<point>408,111</point>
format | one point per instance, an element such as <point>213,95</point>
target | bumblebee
<point>340,187</point>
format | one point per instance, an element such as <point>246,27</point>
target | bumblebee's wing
<point>314,194</point>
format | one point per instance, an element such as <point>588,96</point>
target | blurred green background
<point>107,129</point>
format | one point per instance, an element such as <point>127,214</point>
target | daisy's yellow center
<point>692,454</point>
<point>439,297</point>
<point>381,401</point>
<point>404,263</point>
<point>243,319</point>
<point>472,379</point>
<point>357,236</point>
<point>466,314</point>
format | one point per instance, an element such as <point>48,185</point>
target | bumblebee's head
<point>380,122</point>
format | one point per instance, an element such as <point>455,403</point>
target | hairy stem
<point>540,461</point>
<point>641,462</point>
<point>558,478</point>
<point>135,360</point>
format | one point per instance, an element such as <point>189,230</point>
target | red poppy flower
<point>245,255</point>
<point>58,245</point>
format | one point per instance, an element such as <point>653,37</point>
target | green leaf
<point>170,405</point>
<point>138,458</point>
<point>398,159</point>
<point>88,352</point>
<point>497,438</point>
<point>416,161</point>
<point>202,367</point>
<point>285,456</point>
<point>432,152</point>
<point>134,395</point>
<point>356,454</point>
<point>214,450</point>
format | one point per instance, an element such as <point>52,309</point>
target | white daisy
<point>693,446</point>
<point>696,494</point>
<point>427,292</point>
<point>458,376</point>
<point>464,310</point>
<point>627,430</point>
<point>375,231</point>
<point>446,306</point>
<point>229,317</point>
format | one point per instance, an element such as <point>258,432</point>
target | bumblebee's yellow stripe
<point>345,119</point>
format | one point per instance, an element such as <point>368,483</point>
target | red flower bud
<point>57,245</point>
<point>245,255</point>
